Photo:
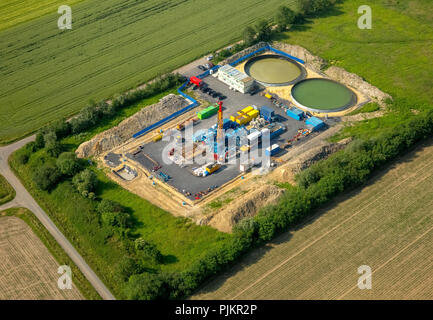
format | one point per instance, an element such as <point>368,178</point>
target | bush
<point>109,206</point>
<point>40,141</point>
<point>52,145</point>
<point>68,164</point>
<point>146,287</point>
<point>263,30</point>
<point>249,36</point>
<point>116,219</point>
<point>23,158</point>
<point>126,268</point>
<point>147,251</point>
<point>85,182</point>
<point>46,177</point>
<point>285,18</point>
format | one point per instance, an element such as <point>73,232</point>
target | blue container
<point>315,123</point>
<point>295,113</point>
<point>267,113</point>
<point>276,133</point>
<point>274,150</point>
<point>227,124</point>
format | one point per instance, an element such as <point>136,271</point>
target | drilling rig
<point>220,156</point>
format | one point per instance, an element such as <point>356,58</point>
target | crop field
<point>7,193</point>
<point>113,46</point>
<point>388,226</point>
<point>28,270</point>
<point>15,11</point>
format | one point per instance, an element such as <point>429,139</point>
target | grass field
<point>395,55</point>
<point>15,12</point>
<point>28,268</point>
<point>114,45</point>
<point>386,225</point>
<point>7,193</point>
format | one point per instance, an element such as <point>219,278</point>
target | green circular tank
<point>323,95</point>
<point>274,70</point>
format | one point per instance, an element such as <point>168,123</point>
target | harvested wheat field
<point>387,225</point>
<point>27,269</point>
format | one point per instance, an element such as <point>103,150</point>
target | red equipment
<point>196,81</point>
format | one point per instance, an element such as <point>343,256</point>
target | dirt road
<point>24,199</point>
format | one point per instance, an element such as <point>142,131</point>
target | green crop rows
<point>114,45</point>
<point>14,12</point>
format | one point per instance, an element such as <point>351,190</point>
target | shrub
<point>126,268</point>
<point>284,18</point>
<point>146,287</point>
<point>249,35</point>
<point>40,141</point>
<point>109,206</point>
<point>23,157</point>
<point>85,182</point>
<point>147,251</point>
<point>46,177</point>
<point>52,145</point>
<point>263,30</point>
<point>68,164</point>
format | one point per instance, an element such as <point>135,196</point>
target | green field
<point>395,55</point>
<point>15,12</point>
<point>7,193</point>
<point>114,45</point>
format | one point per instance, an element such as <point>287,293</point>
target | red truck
<point>194,80</point>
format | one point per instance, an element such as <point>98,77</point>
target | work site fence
<point>195,103</point>
<point>265,48</point>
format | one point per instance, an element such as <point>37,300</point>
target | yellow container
<point>245,148</point>
<point>243,120</point>
<point>254,114</point>
<point>268,96</point>
<point>157,138</point>
<point>213,168</point>
<point>248,109</point>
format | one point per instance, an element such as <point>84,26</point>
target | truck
<point>276,130</point>
<point>244,167</point>
<point>213,167</point>
<point>195,80</point>
<point>272,150</point>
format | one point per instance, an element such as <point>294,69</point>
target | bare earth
<point>388,225</point>
<point>27,269</point>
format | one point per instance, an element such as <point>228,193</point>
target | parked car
<point>201,68</point>
<point>209,58</point>
<point>254,90</point>
<point>214,95</point>
<point>222,97</point>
